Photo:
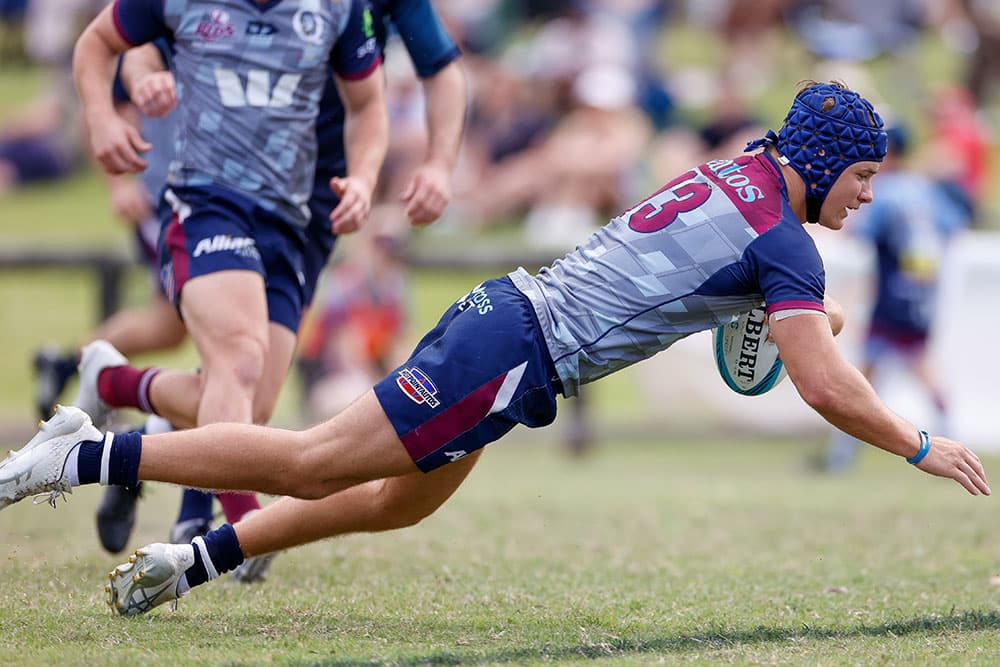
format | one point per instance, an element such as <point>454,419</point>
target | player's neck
<point>796,189</point>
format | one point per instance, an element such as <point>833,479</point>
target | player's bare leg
<point>226,314</point>
<point>149,328</point>
<point>378,505</point>
<point>356,446</point>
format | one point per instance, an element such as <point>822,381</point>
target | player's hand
<point>155,94</point>
<point>130,201</point>
<point>355,204</point>
<point>427,193</point>
<point>948,458</point>
<point>117,143</point>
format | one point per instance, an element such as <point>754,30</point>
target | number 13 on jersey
<point>658,211</point>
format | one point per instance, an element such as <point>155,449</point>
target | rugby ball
<point>746,359</point>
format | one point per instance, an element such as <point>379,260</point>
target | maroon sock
<point>236,505</point>
<point>127,387</point>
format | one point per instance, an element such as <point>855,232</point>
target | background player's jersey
<point>249,79</point>
<point>430,48</point>
<point>909,223</point>
<point>719,240</point>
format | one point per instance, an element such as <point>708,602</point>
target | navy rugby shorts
<point>320,238</point>
<point>211,229</point>
<point>481,371</point>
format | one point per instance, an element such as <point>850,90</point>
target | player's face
<point>852,189</point>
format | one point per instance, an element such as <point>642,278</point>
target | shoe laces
<point>52,496</point>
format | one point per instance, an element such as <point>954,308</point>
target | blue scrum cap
<point>828,128</point>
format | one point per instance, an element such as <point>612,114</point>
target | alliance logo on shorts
<point>415,384</point>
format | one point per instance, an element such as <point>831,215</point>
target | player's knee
<point>240,361</point>
<point>395,507</point>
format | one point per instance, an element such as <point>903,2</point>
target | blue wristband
<point>925,446</point>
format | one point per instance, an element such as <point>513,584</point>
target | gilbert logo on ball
<point>746,359</point>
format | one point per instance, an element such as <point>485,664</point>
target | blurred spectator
<point>909,224</point>
<point>43,142</point>
<point>856,30</point>
<point>958,150</point>
<point>983,76</point>
<point>12,30</point>
<point>580,172</point>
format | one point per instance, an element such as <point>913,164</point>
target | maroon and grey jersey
<point>249,80</point>
<point>715,242</point>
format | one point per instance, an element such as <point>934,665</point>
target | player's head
<point>828,128</point>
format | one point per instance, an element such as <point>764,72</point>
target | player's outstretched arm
<point>841,394</point>
<point>366,139</point>
<point>115,142</point>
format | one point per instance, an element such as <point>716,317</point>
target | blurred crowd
<point>579,107</point>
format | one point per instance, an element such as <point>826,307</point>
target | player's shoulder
<point>754,187</point>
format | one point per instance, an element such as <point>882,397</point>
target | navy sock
<point>88,461</point>
<point>123,464</point>
<point>195,504</point>
<point>123,460</point>
<point>224,552</point>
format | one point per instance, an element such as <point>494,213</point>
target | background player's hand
<point>155,94</point>
<point>948,458</point>
<point>129,200</point>
<point>117,143</point>
<point>355,204</point>
<point>427,193</point>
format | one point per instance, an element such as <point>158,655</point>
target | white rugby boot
<point>151,577</point>
<point>94,358</point>
<point>40,465</point>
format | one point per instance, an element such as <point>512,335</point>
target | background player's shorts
<point>482,370</point>
<point>884,340</point>
<point>212,229</point>
<point>320,239</point>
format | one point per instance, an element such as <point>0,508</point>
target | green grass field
<point>648,551</point>
<point>665,552</point>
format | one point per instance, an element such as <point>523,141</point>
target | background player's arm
<point>841,394</point>
<point>147,80</point>
<point>428,191</point>
<point>366,139</point>
<point>115,142</point>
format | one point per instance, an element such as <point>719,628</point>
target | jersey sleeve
<point>788,269</point>
<point>356,54</point>
<point>430,46</point>
<point>140,21</point>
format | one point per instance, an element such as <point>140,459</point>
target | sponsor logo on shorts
<point>240,245</point>
<point>454,456</point>
<point>478,299</point>
<point>418,387</point>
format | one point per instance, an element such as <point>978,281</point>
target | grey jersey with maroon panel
<point>249,80</point>
<point>717,241</point>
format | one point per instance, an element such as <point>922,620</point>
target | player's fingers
<point>338,185</point>
<point>978,477</point>
<point>964,480</point>
<point>410,190</point>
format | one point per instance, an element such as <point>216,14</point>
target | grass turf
<point>644,552</point>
